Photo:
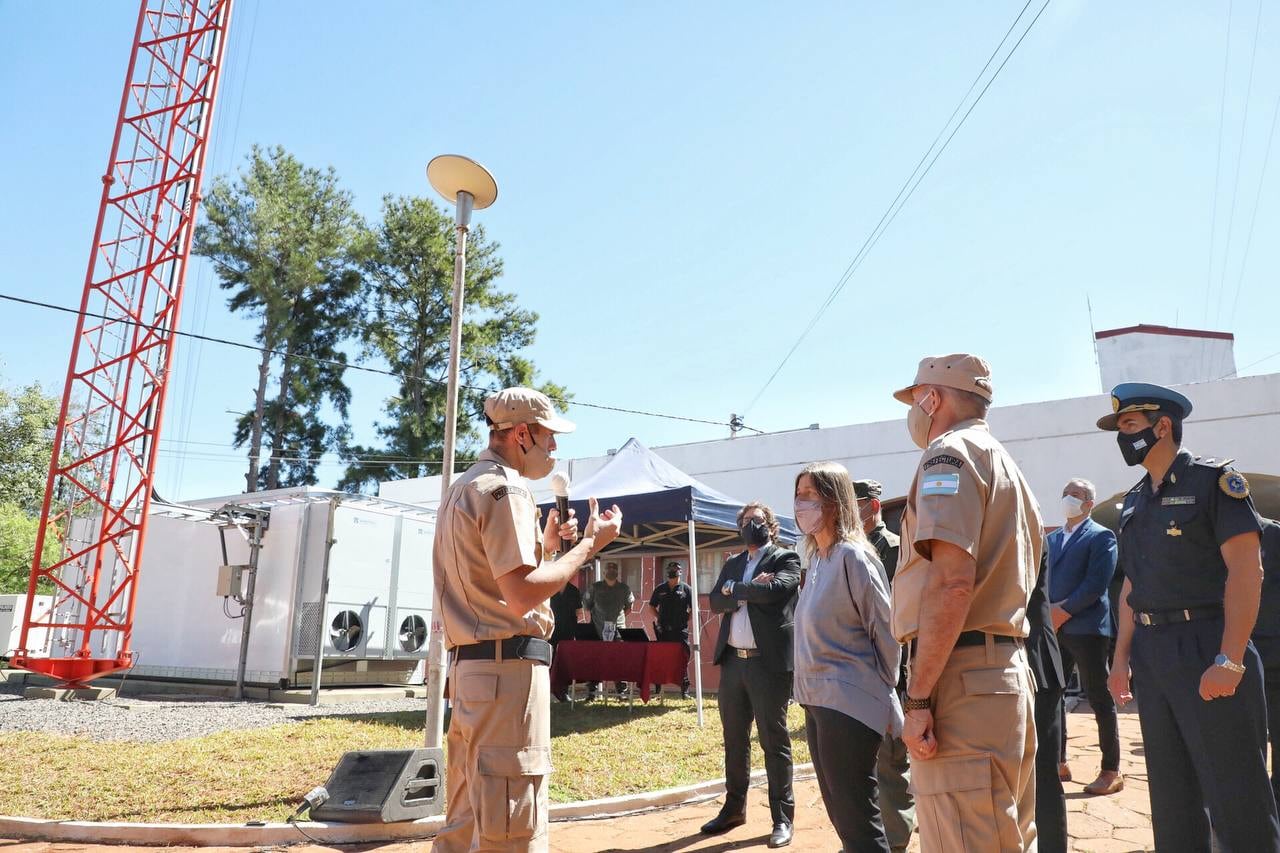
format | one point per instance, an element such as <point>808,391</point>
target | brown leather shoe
<point>1064,772</point>
<point>1108,782</point>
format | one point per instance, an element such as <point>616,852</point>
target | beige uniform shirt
<point>486,527</point>
<point>968,491</point>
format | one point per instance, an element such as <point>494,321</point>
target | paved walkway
<point>1116,824</point>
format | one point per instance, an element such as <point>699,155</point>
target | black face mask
<point>754,533</point>
<point>1134,447</point>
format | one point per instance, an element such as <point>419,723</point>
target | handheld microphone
<point>560,487</point>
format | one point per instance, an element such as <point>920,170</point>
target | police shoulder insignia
<point>944,459</point>
<point>1234,484</point>
<point>501,492</point>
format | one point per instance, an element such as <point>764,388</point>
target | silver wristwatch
<point>1228,664</point>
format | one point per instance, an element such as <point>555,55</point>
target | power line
<point>1253,217</point>
<point>1217,171</point>
<point>1235,185</point>
<point>346,365</point>
<point>908,188</point>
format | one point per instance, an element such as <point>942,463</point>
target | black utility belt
<point>1171,617</point>
<point>515,648</point>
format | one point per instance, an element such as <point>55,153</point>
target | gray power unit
<point>385,786</point>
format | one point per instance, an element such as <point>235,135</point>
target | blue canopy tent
<point>664,509</point>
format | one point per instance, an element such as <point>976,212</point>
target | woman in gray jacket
<point>846,659</point>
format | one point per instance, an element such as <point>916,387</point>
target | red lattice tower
<point>99,485</point>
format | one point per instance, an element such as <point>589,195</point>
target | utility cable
<point>1253,217</point>
<point>1217,171</point>
<point>346,365</point>
<point>1235,185</point>
<point>908,189</point>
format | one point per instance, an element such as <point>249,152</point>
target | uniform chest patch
<point>953,461</point>
<point>1234,484</point>
<point>940,484</point>
<point>1178,500</point>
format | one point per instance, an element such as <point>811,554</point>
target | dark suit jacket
<point>1079,575</point>
<point>1043,655</point>
<point>771,607</point>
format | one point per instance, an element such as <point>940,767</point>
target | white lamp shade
<point>451,174</point>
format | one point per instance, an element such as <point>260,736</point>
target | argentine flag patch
<point>940,484</point>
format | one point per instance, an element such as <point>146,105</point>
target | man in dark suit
<point>1046,664</point>
<point>1082,560</point>
<point>756,593</point>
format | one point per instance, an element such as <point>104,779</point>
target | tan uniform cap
<point>969,492</point>
<point>513,406</point>
<point>958,370</point>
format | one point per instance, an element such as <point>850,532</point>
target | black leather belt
<point>744,653</point>
<point>514,648</point>
<point>968,638</point>
<point>1169,617</point>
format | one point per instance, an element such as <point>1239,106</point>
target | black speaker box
<point>385,786</point>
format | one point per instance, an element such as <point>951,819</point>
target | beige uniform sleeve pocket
<point>513,787</point>
<point>956,802</point>
<point>978,682</point>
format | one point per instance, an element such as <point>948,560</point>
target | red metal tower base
<point>99,485</point>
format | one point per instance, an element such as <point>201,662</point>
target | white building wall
<point>1052,442</point>
<point>1165,357</point>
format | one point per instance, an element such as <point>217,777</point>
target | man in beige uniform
<point>494,588</point>
<point>971,541</point>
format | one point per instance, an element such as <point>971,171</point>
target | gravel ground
<point>166,717</point>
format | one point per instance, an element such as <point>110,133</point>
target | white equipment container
<point>361,615</point>
<point>12,610</point>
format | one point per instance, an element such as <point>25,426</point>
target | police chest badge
<point>1234,484</point>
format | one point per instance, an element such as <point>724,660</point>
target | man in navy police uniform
<point>1189,549</point>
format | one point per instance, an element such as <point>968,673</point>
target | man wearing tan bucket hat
<point>489,568</point>
<point>971,543</point>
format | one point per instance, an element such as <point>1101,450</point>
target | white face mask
<point>1072,507</point>
<point>808,516</point>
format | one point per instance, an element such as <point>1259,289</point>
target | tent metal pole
<point>696,645</point>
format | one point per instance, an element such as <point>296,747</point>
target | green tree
<point>286,241</point>
<point>18,545</point>
<point>410,279</point>
<point>27,421</point>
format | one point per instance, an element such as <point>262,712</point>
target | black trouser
<point>676,635</point>
<point>749,691</point>
<point>844,760</point>
<point>1269,650</point>
<point>1088,653</point>
<point>1202,753</point>
<point>1051,804</point>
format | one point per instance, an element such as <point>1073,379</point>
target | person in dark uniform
<point>1045,659</point>
<point>1266,638</point>
<point>672,604</point>
<point>893,764</point>
<point>1189,548</point>
<point>565,605</point>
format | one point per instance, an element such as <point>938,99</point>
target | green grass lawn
<point>234,777</point>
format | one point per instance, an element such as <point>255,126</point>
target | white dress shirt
<point>740,634</point>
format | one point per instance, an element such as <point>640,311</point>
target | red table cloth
<point>645,664</point>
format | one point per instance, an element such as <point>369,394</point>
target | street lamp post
<point>468,186</point>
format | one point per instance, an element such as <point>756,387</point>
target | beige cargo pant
<point>499,757</point>
<point>977,794</point>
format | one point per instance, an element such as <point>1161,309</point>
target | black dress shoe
<point>781,835</point>
<point>723,823</point>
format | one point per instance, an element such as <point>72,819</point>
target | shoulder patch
<point>944,459</point>
<point>1234,484</point>
<point>503,491</point>
<point>940,484</point>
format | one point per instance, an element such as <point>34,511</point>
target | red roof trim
<point>1144,329</point>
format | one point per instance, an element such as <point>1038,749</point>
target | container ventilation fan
<point>413,633</point>
<point>345,631</point>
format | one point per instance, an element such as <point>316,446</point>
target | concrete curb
<point>240,835</point>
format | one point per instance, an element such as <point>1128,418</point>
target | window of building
<point>633,574</point>
<point>709,565</point>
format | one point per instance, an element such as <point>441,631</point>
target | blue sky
<point>682,184</point>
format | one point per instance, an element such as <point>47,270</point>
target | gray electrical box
<point>229,580</point>
<point>385,786</point>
